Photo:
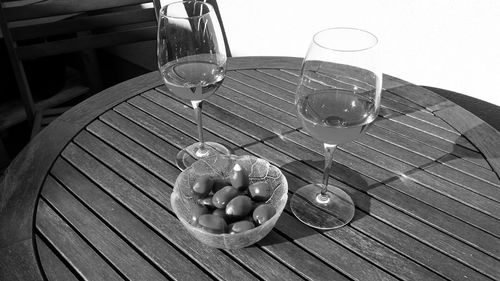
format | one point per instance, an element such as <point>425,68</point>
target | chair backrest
<point>53,27</point>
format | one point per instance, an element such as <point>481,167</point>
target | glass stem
<point>197,106</point>
<point>329,149</point>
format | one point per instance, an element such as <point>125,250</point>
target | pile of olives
<point>230,205</point>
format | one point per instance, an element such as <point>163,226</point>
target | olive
<point>241,226</point>
<point>260,191</point>
<point>238,178</point>
<point>263,213</point>
<point>223,196</point>
<point>196,212</point>
<point>239,206</point>
<point>203,185</point>
<point>219,183</point>
<point>212,223</point>
<point>220,212</point>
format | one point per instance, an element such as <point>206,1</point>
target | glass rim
<point>361,31</point>
<point>208,5</point>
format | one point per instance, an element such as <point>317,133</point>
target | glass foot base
<point>334,210</point>
<point>192,153</point>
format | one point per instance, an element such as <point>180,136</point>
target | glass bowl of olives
<point>230,202</point>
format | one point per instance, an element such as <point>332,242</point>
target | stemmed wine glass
<point>192,63</point>
<point>337,98</point>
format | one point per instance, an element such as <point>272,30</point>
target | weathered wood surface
<point>424,179</point>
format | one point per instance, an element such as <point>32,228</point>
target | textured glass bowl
<point>258,170</point>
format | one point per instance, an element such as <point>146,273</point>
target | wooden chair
<point>47,28</point>
<point>55,27</point>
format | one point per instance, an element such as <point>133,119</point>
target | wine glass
<point>337,98</point>
<point>192,63</point>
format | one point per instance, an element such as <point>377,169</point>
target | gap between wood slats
<point>55,267</point>
<point>87,260</point>
<point>135,159</point>
<point>410,162</point>
<point>100,235</point>
<point>435,155</point>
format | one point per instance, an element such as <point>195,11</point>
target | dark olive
<point>223,196</point>
<point>260,191</point>
<point>239,206</point>
<point>203,185</point>
<point>220,212</point>
<point>241,226</point>
<point>263,213</point>
<point>219,183</point>
<point>238,178</point>
<point>212,223</point>
<point>196,212</point>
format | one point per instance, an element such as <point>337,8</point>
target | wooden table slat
<point>447,159</point>
<point>414,249</point>
<point>71,246</point>
<point>427,140</point>
<point>130,263</point>
<point>277,81</point>
<point>241,79</point>
<point>54,267</point>
<point>438,166</point>
<point>416,174</point>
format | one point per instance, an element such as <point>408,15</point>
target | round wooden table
<point>89,197</point>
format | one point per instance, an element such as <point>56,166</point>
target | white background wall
<point>450,44</point>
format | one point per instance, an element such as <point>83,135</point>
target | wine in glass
<point>192,62</point>
<point>337,98</point>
